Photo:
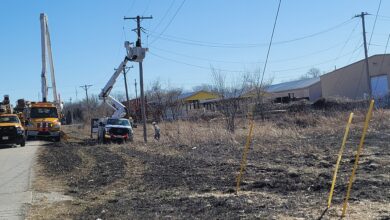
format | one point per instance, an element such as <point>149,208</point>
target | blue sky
<point>87,40</point>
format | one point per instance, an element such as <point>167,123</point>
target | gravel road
<point>15,177</point>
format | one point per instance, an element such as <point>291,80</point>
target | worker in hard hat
<point>156,131</point>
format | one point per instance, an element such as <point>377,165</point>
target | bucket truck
<point>44,118</point>
<point>117,128</point>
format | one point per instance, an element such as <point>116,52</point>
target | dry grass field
<point>191,172</point>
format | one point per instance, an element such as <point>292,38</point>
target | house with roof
<point>309,89</point>
<point>197,100</point>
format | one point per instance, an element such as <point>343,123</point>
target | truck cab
<point>11,130</point>
<point>117,130</point>
<point>43,120</point>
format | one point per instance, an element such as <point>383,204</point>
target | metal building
<point>309,89</point>
<point>351,81</point>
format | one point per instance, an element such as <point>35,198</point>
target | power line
<point>249,62</point>
<point>321,63</point>
<point>186,41</point>
<point>270,43</point>
<point>383,58</point>
<point>373,27</point>
<point>346,42</point>
<point>164,16</point>
<point>130,7</point>
<point>194,65</point>
<point>146,8</point>
<point>170,21</point>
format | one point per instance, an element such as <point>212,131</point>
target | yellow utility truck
<point>43,120</point>
<point>11,128</point>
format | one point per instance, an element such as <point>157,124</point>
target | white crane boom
<point>46,47</point>
<point>135,54</point>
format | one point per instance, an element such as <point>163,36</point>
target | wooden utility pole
<point>86,87</point>
<point>366,52</point>
<point>127,92</point>
<point>135,87</point>
<point>141,75</point>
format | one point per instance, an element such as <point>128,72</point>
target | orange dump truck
<point>43,120</point>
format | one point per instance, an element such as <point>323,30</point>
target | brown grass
<point>298,134</point>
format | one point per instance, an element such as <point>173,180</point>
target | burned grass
<point>191,173</point>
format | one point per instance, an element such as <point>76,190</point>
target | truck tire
<point>57,139</point>
<point>23,143</point>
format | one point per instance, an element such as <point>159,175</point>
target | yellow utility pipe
<point>244,155</point>
<point>339,159</point>
<point>359,150</point>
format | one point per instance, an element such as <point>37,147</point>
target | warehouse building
<point>352,81</point>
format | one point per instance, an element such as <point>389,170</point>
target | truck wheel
<point>57,139</point>
<point>23,143</point>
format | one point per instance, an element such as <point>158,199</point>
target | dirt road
<point>15,177</point>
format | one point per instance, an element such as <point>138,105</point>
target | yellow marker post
<point>359,150</point>
<point>339,159</point>
<point>244,155</point>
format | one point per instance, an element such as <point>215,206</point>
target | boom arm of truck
<point>47,53</point>
<point>104,95</point>
<point>135,54</point>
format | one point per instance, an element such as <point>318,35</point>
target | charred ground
<point>191,172</point>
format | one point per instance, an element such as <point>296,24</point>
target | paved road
<point>15,179</point>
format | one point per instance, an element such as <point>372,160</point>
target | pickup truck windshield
<point>123,122</point>
<point>9,119</point>
<point>46,112</point>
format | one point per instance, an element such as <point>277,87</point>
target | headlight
<point>19,130</point>
<point>107,130</point>
<point>57,126</point>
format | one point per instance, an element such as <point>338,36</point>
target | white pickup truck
<point>117,130</point>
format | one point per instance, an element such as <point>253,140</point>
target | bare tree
<point>312,73</point>
<point>163,102</point>
<point>203,87</point>
<point>258,93</point>
<point>120,96</point>
<point>172,102</point>
<point>230,96</point>
<point>155,104</point>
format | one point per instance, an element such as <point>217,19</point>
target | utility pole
<point>141,77</point>
<point>365,51</point>
<point>127,91</point>
<point>71,111</point>
<point>135,86</point>
<point>86,87</point>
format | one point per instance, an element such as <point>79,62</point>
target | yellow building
<point>196,100</point>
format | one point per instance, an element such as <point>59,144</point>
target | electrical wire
<point>250,62</point>
<point>346,42</point>
<point>270,44</point>
<point>373,27</point>
<point>131,6</point>
<point>170,21</point>
<point>321,63</point>
<point>193,65</point>
<point>164,16</point>
<point>146,8</point>
<point>383,60</point>
<point>181,40</point>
